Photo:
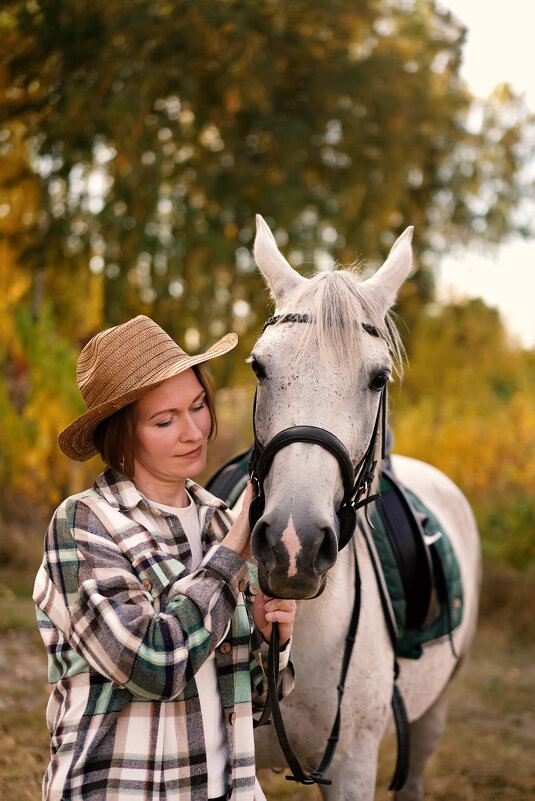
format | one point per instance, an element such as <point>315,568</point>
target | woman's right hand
<point>238,538</point>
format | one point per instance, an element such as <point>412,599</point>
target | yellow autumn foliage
<point>38,398</point>
<point>38,395</point>
<point>483,449</point>
<point>468,407</point>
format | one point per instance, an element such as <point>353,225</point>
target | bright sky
<point>500,48</point>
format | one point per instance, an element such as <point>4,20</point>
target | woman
<point>141,597</point>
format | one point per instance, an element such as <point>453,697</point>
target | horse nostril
<point>313,555</point>
<point>327,551</point>
<point>262,550</point>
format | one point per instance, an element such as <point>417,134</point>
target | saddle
<point>405,531</point>
<point>419,565</point>
<point>230,480</point>
<point>417,560</point>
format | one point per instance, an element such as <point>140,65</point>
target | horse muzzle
<point>293,556</point>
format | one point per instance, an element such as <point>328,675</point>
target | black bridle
<point>357,480</point>
<point>357,483</point>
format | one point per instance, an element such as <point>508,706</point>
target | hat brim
<point>76,441</point>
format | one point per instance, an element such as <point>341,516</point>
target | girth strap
<point>398,705</point>
<point>403,737</point>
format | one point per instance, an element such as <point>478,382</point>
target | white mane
<point>338,303</point>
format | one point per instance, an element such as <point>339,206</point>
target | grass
<point>24,739</point>
<point>486,754</point>
<point>490,729</point>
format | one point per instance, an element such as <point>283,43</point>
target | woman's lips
<point>191,454</point>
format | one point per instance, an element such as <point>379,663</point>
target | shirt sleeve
<point>102,600</point>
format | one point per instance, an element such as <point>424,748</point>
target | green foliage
<point>38,397</point>
<point>139,140</point>
<point>156,130</point>
<point>508,524</point>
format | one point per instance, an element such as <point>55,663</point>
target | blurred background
<point>137,142</point>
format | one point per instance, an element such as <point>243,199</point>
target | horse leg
<point>354,773</point>
<point>425,736</point>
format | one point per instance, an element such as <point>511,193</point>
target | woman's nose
<point>189,430</point>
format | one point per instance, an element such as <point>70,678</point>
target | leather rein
<point>357,493</point>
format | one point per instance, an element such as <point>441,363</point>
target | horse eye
<point>379,380</point>
<point>258,369</point>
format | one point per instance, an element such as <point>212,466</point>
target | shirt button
<point>224,648</point>
<point>232,719</point>
<point>242,584</point>
<point>147,584</point>
<point>253,589</point>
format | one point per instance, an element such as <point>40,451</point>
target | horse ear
<point>283,280</point>
<point>384,285</point>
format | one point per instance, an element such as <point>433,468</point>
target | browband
<point>295,317</point>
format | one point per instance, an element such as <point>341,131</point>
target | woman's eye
<point>379,380</point>
<point>199,407</point>
<point>258,369</point>
<point>163,423</point>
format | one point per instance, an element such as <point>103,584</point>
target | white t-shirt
<point>206,676</point>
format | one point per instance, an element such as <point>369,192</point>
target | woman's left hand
<point>267,611</point>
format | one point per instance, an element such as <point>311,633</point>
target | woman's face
<point>172,428</point>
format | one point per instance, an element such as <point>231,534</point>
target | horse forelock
<point>337,304</point>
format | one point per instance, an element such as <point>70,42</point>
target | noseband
<point>357,481</point>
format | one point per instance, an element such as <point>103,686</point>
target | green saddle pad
<point>411,640</point>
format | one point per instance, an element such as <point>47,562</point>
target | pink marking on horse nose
<point>291,542</point>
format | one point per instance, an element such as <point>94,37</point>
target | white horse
<point>329,373</point>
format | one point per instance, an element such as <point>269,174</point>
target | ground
<point>486,755</point>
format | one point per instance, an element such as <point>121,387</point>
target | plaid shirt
<point>126,626</point>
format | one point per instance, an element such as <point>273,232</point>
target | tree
<point>155,130</point>
<point>468,407</point>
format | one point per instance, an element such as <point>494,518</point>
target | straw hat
<point>120,365</point>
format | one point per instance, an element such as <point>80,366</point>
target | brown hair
<point>114,436</point>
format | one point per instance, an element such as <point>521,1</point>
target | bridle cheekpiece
<point>357,480</point>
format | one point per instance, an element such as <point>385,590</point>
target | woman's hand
<point>267,611</point>
<point>239,537</point>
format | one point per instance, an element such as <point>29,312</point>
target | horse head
<point>321,365</point>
